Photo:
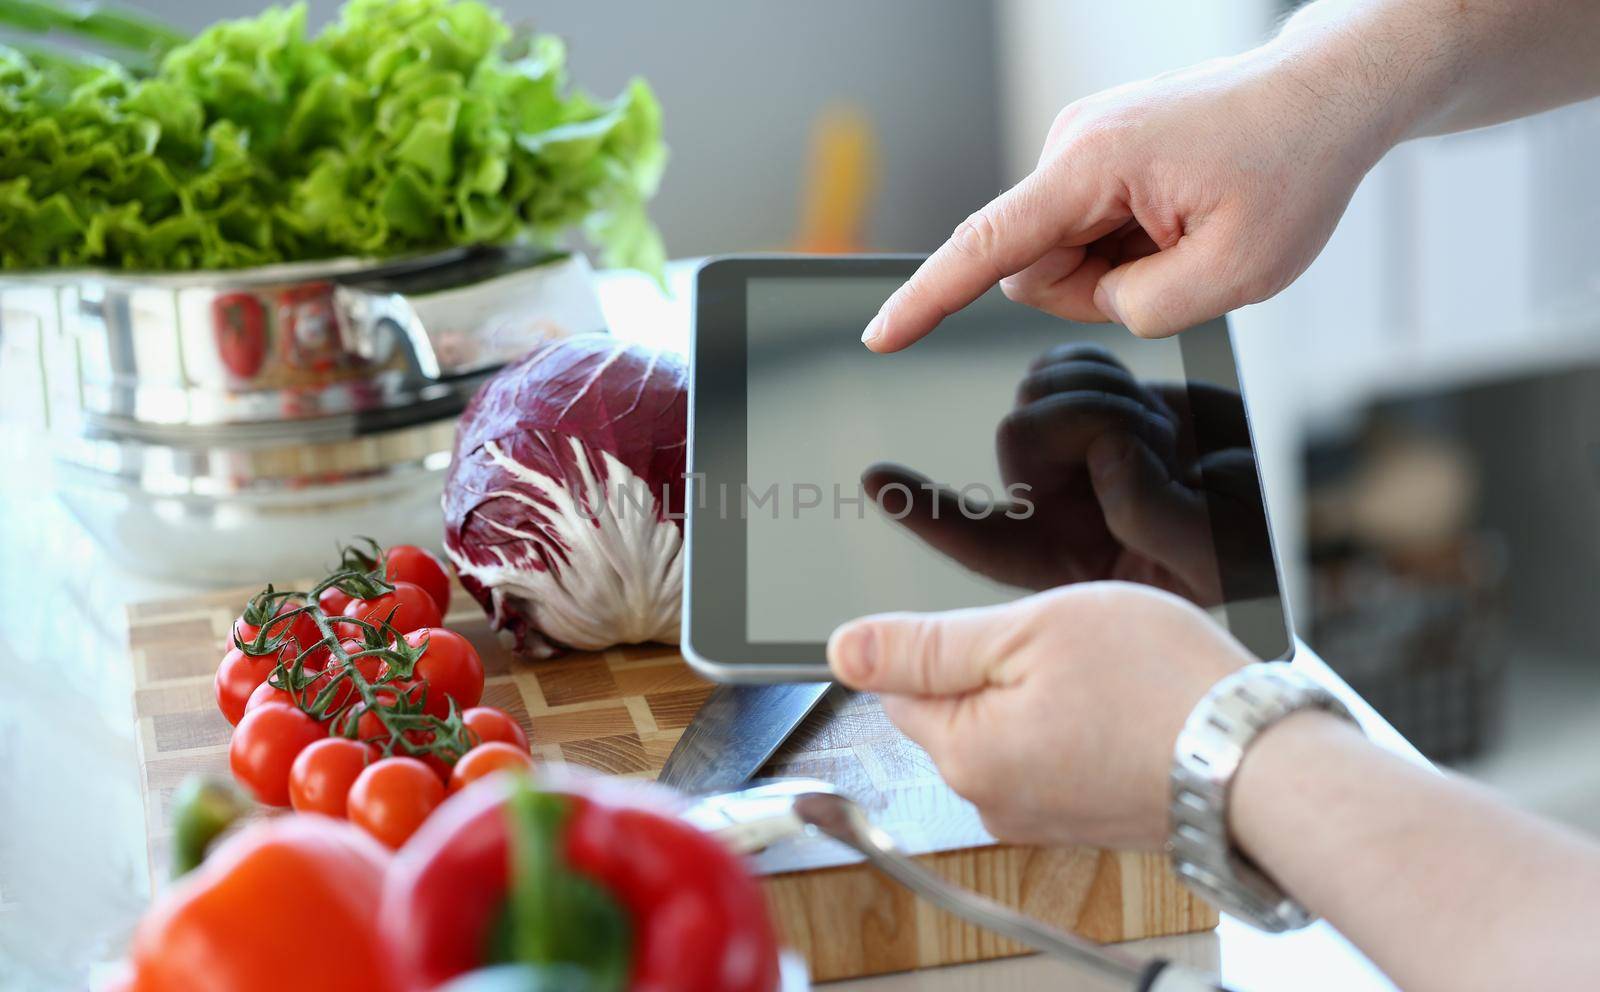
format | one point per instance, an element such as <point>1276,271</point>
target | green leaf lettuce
<point>405,126</point>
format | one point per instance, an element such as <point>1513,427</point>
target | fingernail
<point>1106,454</point>
<point>1104,302</point>
<point>857,655</point>
<point>874,330</point>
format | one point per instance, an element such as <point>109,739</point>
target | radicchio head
<point>563,504</point>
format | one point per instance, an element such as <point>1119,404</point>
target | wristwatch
<point>1207,754</point>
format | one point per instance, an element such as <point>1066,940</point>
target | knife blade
<point>734,733</point>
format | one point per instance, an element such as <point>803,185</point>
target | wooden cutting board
<point>621,711</point>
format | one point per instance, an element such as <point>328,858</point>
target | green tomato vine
<point>344,694</point>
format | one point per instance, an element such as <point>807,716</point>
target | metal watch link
<point>1213,741</point>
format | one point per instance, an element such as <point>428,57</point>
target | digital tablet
<point>1006,453</point>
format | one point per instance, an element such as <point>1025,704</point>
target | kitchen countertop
<point>72,849</point>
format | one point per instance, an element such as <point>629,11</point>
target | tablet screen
<point>957,472</point>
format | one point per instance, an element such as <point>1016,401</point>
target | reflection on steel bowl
<point>210,425</point>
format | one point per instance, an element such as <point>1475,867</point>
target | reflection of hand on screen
<point>1106,482</point>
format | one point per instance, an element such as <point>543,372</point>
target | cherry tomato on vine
<point>239,674</point>
<point>322,774</point>
<point>448,669</point>
<point>347,695</point>
<point>333,600</point>
<point>413,608</point>
<point>264,746</point>
<point>302,627</point>
<point>486,759</point>
<point>436,764</point>
<point>369,726</point>
<point>371,730</point>
<point>490,724</point>
<point>434,703</point>
<point>265,693</point>
<point>409,563</point>
<point>391,797</point>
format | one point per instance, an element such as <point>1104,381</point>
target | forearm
<point>1443,886</point>
<point>1437,66</point>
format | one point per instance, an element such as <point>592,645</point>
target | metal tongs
<point>758,817</point>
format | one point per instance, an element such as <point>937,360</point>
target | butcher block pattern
<point>621,711</point>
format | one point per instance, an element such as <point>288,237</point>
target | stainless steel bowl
<point>223,426</point>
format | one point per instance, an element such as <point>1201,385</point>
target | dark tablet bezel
<point>715,590</point>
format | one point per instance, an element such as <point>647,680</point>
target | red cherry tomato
<point>436,764</point>
<point>448,669</point>
<point>368,727</point>
<point>239,674</point>
<point>264,746</point>
<point>333,600</point>
<point>391,798</point>
<point>322,774</point>
<point>302,626</point>
<point>265,693</point>
<point>346,695</point>
<point>433,702</point>
<point>439,767</point>
<point>413,608</point>
<point>371,730</point>
<point>486,759</point>
<point>489,724</point>
<point>409,563</point>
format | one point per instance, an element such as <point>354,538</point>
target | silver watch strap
<point>1209,749</point>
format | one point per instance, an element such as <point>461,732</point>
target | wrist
<point>1279,769</point>
<point>1235,717</point>
<point>1390,68</point>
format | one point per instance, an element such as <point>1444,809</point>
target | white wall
<point>1054,51</point>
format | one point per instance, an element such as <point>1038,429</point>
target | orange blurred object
<point>839,182</point>
<point>289,903</point>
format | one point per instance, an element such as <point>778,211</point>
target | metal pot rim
<point>312,270</point>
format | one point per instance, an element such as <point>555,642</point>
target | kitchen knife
<point>735,732</point>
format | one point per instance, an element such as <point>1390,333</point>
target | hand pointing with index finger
<point>1159,205</point>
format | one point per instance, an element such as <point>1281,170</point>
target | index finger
<point>1010,233</point>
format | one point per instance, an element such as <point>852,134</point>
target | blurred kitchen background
<point>1426,398</point>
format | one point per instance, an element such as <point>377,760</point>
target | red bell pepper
<point>583,874</point>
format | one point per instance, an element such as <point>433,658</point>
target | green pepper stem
<point>202,809</point>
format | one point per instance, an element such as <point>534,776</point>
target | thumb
<point>920,654</point>
<point>1146,509</point>
<point>1171,290</point>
